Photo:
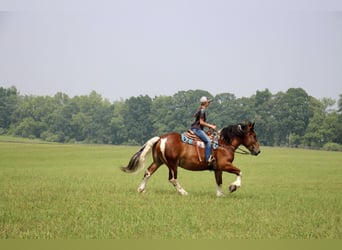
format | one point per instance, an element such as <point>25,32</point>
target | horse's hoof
<point>232,188</point>
<point>219,194</point>
<point>183,193</point>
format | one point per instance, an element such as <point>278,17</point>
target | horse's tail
<point>137,161</point>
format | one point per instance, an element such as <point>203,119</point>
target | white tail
<point>137,161</point>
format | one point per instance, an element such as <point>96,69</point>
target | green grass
<point>60,191</point>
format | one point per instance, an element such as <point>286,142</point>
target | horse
<point>171,150</point>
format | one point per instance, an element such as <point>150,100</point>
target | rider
<point>198,126</point>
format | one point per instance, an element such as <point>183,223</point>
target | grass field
<point>60,191</point>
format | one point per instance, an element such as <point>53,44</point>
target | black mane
<point>228,133</point>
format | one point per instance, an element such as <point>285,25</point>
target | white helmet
<point>204,99</point>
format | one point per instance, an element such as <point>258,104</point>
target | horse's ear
<point>249,125</point>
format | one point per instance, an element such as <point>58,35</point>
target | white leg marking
<point>219,192</point>
<point>237,182</point>
<point>143,183</point>
<point>178,187</point>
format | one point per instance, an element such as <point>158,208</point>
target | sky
<point>159,47</point>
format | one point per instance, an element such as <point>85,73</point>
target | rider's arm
<point>208,125</point>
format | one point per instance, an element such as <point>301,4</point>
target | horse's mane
<point>228,133</point>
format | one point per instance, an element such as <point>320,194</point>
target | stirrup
<point>211,161</point>
<point>211,158</point>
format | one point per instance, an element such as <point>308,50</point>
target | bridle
<point>237,150</point>
<point>242,151</point>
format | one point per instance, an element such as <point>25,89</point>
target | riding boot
<point>211,162</point>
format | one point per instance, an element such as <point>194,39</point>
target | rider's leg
<point>205,138</point>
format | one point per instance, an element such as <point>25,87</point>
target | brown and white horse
<point>169,149</point>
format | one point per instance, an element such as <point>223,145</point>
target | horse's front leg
<point>236,184</point>
<point>230,168</point>
<point>218,177</point>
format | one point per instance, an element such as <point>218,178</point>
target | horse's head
<point>249,139</point>
<point>244,134</point>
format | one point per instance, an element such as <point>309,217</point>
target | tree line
<point>291,118</point>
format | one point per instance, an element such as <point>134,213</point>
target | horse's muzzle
<point>256,152</point>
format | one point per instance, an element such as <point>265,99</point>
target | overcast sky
<point>159,47</point>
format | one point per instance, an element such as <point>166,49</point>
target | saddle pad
<point>192,142</point>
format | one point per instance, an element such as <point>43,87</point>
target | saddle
<point>191,138</point>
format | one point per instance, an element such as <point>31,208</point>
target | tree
<point>162,115</point>
<point>291,112</point>
<point>58,121</point>
<point>31,116</point>
<point>93,121</point>
<point>338,126</point>
<point>8,104</point>
<point>323,125</point>
<point>264,118</point>
<point>223,110</point>
<point>137,119</point>
<point>119,131</point>
<point>290,118</point>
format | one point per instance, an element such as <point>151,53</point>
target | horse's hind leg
<point>149,171</point>
<point>174,182</point>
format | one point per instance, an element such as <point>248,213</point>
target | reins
<point>237,150</point>
<point>242,151</point>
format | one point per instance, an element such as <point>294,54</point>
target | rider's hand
<point>213,127</point>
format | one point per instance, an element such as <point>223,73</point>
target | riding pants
<point>205,138</point>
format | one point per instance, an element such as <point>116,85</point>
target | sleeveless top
<point>200,113</point>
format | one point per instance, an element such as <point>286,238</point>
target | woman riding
<point>198,126</point>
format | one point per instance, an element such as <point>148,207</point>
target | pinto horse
<point>170,150</point>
